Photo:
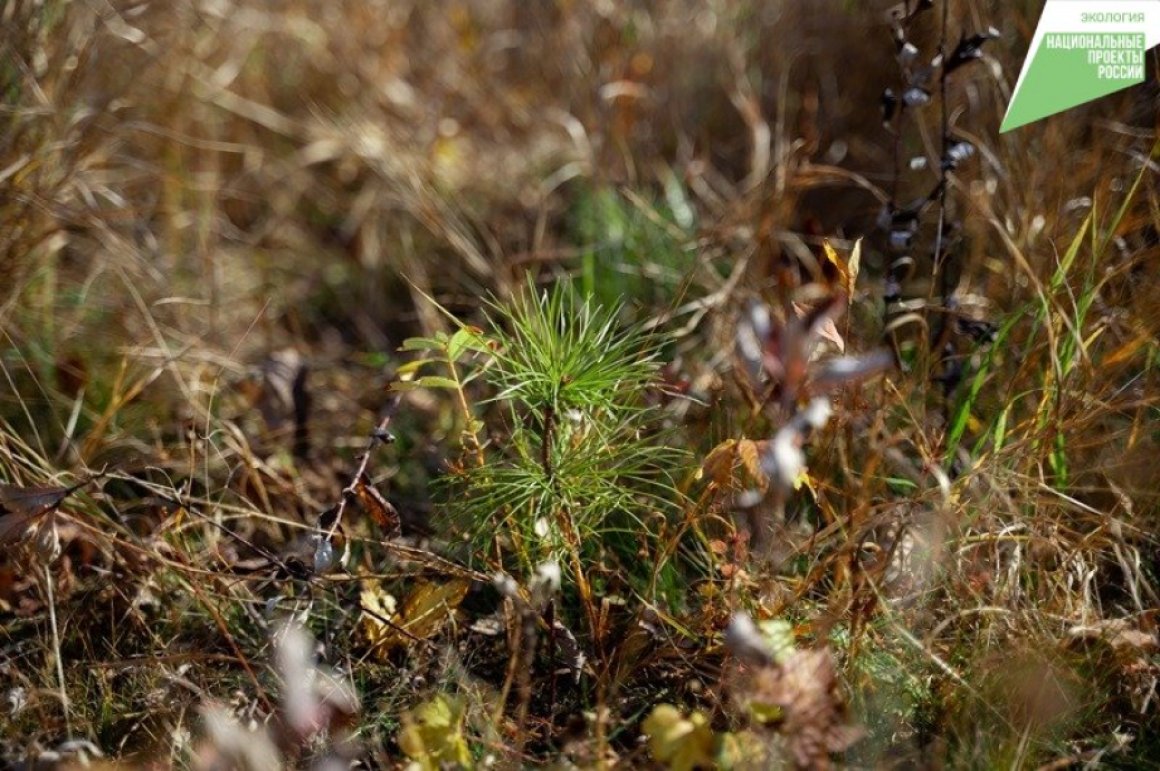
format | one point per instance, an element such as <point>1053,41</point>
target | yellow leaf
<point>847,270</point>
<point>765,713</point>
<point>425,611</point>
<point>682,743</point>
<point>429,606</point>
<point>750,454</point>
<point>378,605</point>
<point>743,750</point>
<point>432,734</point>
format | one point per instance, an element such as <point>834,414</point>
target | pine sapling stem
<point>546,444</point>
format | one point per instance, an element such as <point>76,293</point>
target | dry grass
<point>211,208</point>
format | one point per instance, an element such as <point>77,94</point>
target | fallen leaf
<point>425,611</point>
<point>718,464</point>
<point>682,743</point>
<point>20,507</point>
<point>432,735</point>
<point>853,267</point>
<point>379,508</point>
<point>377,605</point>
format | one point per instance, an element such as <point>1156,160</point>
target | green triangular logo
<point>1082,51</point>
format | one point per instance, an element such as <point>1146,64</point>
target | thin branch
<point>381,435</point>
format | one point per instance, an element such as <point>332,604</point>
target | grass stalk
<point>58,658</point>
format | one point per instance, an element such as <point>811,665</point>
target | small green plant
<point>576,465</point>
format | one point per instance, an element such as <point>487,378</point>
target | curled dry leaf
<point>735,462</point>
<point>21,507</point>
<point>378,507</point>
<point>571,656</point>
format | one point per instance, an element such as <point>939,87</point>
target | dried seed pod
<point>915,96</point>
<point>968,50</point>
<point>900,240</point>
<point>889,105</point>
<point>957,152</point>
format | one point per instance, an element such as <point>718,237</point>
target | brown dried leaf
<point>20,507</point>
<point>749,452</point>
<point>31,500</point>
<point>718,464</point>
<point>14,526</point>
<point>378,507</point>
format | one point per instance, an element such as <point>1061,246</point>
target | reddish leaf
<point>379,508</point>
